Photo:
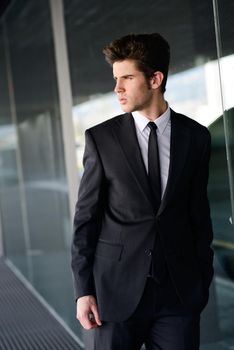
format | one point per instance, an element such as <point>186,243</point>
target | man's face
<point>133,90</point>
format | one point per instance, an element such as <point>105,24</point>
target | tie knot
<point>152,126</point>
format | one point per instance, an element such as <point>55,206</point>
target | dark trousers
<point>160,322</point>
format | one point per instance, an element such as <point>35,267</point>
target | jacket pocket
<point>108,250</point>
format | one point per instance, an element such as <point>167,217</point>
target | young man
<point>141,255</point>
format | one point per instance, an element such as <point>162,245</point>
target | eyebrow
<point>124,76</point>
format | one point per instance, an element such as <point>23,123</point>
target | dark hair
<point>150,51</point>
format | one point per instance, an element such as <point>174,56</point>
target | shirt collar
<point>161,122</point>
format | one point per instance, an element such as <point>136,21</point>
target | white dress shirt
<point>163,123</point>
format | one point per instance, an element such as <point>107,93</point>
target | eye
<point>129,77</point>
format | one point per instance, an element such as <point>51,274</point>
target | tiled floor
<point>25,323</point>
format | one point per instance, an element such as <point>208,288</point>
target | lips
<point>122,100</point>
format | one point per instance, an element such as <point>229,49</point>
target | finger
<point>87,322</point>
<point>96,315</point>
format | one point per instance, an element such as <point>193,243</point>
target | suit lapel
<point>180,141</point>
<point>125,133</point>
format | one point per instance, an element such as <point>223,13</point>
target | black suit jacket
<point>115,224</point>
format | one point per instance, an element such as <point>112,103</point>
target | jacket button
<point>148,252</point>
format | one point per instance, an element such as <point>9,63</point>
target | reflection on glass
<point>33,185</point>
<point>12,218</point>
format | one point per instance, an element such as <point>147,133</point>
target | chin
<point>127,109</point>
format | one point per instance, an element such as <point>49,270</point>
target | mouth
<point>122,100</point>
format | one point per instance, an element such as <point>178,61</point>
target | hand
<point>87,312</point>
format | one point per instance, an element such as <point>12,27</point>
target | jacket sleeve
<point>87,220</point>
<point>200,214</point>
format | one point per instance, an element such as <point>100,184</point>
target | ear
<point>156,80</point>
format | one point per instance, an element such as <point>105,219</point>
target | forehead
<point>125,67</point>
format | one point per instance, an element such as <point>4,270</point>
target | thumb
<point>96,314</point>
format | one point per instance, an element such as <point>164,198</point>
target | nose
<point>118,86</point>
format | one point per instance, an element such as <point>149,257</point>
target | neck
<point>157,108</point>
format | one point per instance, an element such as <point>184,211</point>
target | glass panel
<point>193,89</point>
<point>42,238</point>
<point>10,190</point>
<point>224,240</point>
